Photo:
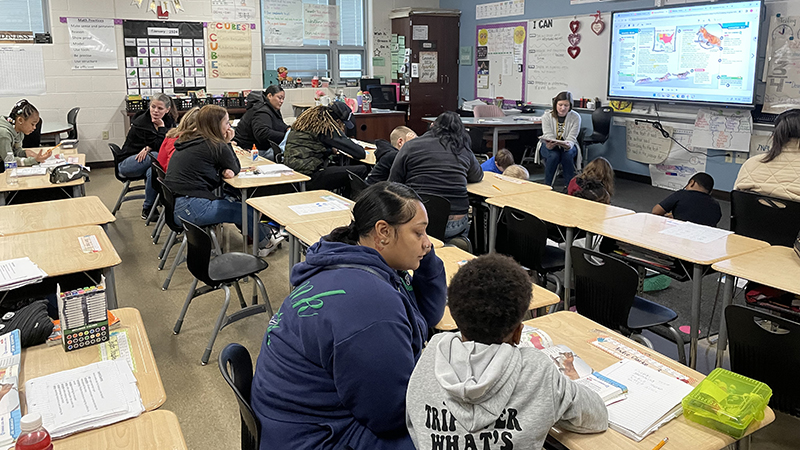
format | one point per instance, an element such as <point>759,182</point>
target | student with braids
<point>337,356</point>
<point>13,128</point>
<point>314,137</point>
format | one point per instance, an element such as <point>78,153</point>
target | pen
<point>496,187</point>
<point>661,444</point>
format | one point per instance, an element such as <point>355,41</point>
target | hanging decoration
<point>574,39</point>
<point>598,25</point>
<point>160,7</point>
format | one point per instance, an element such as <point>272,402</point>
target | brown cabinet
<point>429,94</point>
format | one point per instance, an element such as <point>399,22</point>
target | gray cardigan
<point>572,126</point>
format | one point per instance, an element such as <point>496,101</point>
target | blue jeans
<point>129,167</point>
<point>203,212</point>
<point>556,156</point>
<point>458,227</point>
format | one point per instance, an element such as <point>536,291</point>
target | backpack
<point>67,172</point>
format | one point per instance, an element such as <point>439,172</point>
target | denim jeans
<point>203,212</point>
<point>458,227</point>
<point>129,167</point>
<point>556,156</point>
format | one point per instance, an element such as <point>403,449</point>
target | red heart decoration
<point>574,51</point>
<point>598,27</point>
<point>575,25</point>
<point>574,39</point>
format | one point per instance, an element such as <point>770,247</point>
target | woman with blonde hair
<point>596,182</point>
<point>188,122</point>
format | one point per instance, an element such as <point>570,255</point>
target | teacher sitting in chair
<point>559,141</point>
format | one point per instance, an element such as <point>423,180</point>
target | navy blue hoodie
<point>338,354</point>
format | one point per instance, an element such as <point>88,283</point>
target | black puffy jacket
<point>260,124</point>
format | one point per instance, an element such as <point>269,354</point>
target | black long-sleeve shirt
<point>144,134</point>
<point>196,167</point>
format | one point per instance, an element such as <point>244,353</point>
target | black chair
<point>126,181</point>
<point>766,348</point>
<point>160,223</point>
<point>765,218</point>
<point>35,138</point>
<point>357,184</point>
<point>156,168</point>
<point>438,209</point>
<point>524,238</point>
<point>605,291</point>
<point>601,126</point>
<point>277,152</point>
<point>237,370</point>
<point>72,119</point>
<point>220,273</point>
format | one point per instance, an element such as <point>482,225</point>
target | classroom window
<point>339,60</point>
<point>24,15</point>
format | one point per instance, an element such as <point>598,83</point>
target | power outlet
<point>105,135</point>
<point>741,157</point>
<point>729,157</point>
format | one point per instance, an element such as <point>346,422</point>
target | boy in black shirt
<point>693,203</point>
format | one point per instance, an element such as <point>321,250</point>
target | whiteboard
<point>550,69</point>
<point>500,61</point>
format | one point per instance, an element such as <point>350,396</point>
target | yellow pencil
<point>496,187</point>
<point>59,145</point>
<point>661,444</point>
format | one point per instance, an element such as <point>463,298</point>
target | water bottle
<point>33,436</point>
<point>11,169</point>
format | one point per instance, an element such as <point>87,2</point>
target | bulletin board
<point>500,55</point>
<point>166,57</point>
<point>551,67</point>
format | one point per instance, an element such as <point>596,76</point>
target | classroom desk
<point>156,429</point>
<point>44,359</point>
<point>451,256</point>
<point>7,192</point>
<point>244,184</point>
<point>58,252</point>
<point>644,230</point>
<point>774,266</point>
<point>559,209</point>
<point>575,331</point>
<point>53,215</point>
<point>497,124</point>
<point>55,129</point>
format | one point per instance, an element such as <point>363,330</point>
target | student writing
<point>693,203</point>
<point>387,151</point>
<point>13,128</point>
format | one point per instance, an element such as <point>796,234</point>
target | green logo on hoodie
<point>314,302</point>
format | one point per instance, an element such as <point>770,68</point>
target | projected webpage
<point>701,53</point>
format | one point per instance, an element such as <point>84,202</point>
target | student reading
<point>480,388</point>
<point>559,141</point>
<point>262,122</point>
<point>336,358</point>
<point>13,128</point>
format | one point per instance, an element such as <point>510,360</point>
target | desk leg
<point>256,237</point>
<point>111,288</point>
<point>495,140</point>
<point>244,222</point>
<point>494,216</point>
<point>727,298</point>
<point>293,244</point>
<point>77,191</point>
<point>697,292</point>
<point>302,186</point>
<point>568,266</point>
<point>2,199</point>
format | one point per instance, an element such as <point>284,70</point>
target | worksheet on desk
<point>319,207</point>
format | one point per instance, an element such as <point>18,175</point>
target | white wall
<point>380,10</point>
<point>101,93</point>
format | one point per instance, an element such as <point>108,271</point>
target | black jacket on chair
<point>384,157</point>
<point>260,124</point>
<point>144,134</point>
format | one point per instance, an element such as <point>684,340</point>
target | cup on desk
<point>325,100</point>
<point>498,101</point>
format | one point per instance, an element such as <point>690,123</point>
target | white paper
<point>93,43</point>
<point>321,22</point>
<point>283,22</point>
<point>19,272</point>
<point>695,233</point>
<point>760,144</point>
<point>724,130</point>
<point>680,165</point>
<point>429,67</point>
<point>645,144</point>
<point>499,9</point>
<point>22,70</point>
<point>782,68</point>
<point>318,208</point>
<point>419,33</point>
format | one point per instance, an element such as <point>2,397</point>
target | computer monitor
<point>384,96</point>
<point>365,83</point>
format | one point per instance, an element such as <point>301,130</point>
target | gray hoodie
<point>11,141</point>
<point>467,395</point>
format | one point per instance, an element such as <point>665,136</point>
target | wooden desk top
<point>559,209</point>
<point>247,183</point>
<point>157,429</point>
<point>643,230</point>
<point>451,256</point>
<point>376,113</point>
<point>774,266</point>
<point>575,331</point>
<point>310,232</point>
<point>495,185</point>
<point>58,252</point>
<point>45,359</point>
<point>41,181</point>
<point>41,216</point>
<point>276,207</point>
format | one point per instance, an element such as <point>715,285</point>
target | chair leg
<point>158,228</point>
<point>555,280</point>
<point>238,288</point>
<point>189,297</point>
<point>178,259</point>
<point>166,248</point>
<point>263,294</point>
<point>678,341</point>
<point>642,340</point>
<point>217,326</point>
<point>153,210</point>
<point>121,198</point>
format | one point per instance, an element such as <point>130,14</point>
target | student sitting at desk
<point>441,162</point>
<point>336,358</point>
<point>203,157</point>
<point>188,122</point>
<point>560,128</point>
<point>499,162</point>
<point>481,383</point>
<point>517,171</point>
<point>13,128</point>
<point>314,137</point>
<point>595,183</point>
<point>146,135</point>
<point>262,122</point>
<point>776,173</point>
<point>387,151</point>
<point>693,203</point>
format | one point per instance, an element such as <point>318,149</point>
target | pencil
<point>59,145</point>
<point>661,444</point>
<point>496,187</point>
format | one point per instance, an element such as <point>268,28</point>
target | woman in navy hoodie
<point>337,356</point>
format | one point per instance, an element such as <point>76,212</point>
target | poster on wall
<point>675,171</point>
<point>321,22</point>
<point>230,50</point>
<point>166,57</point>
<point>500,9</point>
<point>428,67</point>
<point>283,22</point>
<point>783,65</point>
<point>232,10</point>
<point>93,43</point>
<point>22,70</point>
<point>500,61</point>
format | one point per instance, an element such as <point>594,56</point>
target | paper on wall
<point>645,144</point>
<point>760,144</point>
<point>93,43</point>
<point>321,22</point>
<point>283,22</point>
<point>782,68</point>
<point>724,130</point>
<point>22,70</point>
<point>680,165</point>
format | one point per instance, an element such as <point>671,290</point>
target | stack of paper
<point>653,399</point>
<point>10,349</point>
<point>84,398</point>
<point>30,171</point>
<point>19,272</point>
<point>53,161</point>
<point>267,171</point>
